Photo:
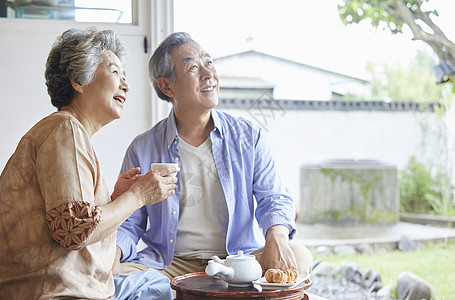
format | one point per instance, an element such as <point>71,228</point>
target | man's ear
<point>165,86</point>
<point>76,86</point>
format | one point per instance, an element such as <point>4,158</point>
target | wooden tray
<point>201,286</point>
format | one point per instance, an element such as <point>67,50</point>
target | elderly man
<point>228,184</point>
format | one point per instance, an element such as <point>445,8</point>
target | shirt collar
<point>172,134</point>
<point>217,123</point>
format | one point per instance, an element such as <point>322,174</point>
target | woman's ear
<point>76,86</point>
<point>165,86</point>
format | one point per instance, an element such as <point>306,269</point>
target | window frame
<point>138,26</point>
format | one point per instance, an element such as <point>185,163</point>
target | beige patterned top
<point>50,193</point>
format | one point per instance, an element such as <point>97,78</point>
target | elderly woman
<point>57,220</point>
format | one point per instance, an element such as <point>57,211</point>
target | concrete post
<point>349,191</point>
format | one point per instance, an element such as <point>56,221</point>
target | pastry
<point>269,274</point>
<point>292,275</point>
<point>280,277</point>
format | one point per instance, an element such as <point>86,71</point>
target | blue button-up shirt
<point>247,173</point>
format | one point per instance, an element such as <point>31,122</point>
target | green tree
<point>393,14</point>
<point>414,82</point>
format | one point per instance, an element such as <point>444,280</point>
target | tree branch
<point>443,47</point>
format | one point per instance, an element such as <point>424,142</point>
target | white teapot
<point>237,270</point>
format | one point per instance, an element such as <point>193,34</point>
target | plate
<point>279,286</point>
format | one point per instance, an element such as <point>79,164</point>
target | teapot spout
<point>217,259</point>
<point>215,268</point>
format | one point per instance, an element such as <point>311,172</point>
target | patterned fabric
<point>72,223</point>
<point>50,193</point>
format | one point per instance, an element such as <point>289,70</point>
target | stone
<point>405,244</point>
<point>316,262</point>
<point>323,269</point>
<point>372,280</point>
<point>412,287</point>
<point>323,250</point>
<point>339,287</point>
<point>344,250</point>
<point>384,292</point>
<point>365,248</point>
<point>350,271</point>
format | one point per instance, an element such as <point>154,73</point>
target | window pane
<point>110,11</point>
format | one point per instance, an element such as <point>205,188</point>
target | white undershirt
<point>203,218</point>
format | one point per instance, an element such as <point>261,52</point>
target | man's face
<point>196,87</point>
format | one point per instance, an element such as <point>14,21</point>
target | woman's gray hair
<point>75,56</point>
<point>161,63</point>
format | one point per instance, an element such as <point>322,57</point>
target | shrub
<point>415,184</point>
<point>421,192</point>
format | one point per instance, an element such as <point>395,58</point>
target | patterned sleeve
<point>72,223</point>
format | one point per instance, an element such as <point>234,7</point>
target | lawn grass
<point>435,263</point>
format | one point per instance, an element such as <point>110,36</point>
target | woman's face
<point>106,94</point>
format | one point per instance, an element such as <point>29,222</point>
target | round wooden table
<point>201,286</point>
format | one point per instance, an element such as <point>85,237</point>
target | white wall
<point>25,100</point>
<point>299,137</point>
<point>24,47</point>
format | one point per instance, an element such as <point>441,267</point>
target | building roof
<point>245,82</point>
<point>255,53</point>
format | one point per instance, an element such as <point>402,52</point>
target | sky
<point>307,31</point>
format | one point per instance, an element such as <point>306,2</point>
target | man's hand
<point>277,254</point>
<point>116,266</point>
<point>124,182</point>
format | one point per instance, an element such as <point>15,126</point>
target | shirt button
<point>171,241</point>
<point>175,142</point>
<point>174,212</point>
<point>165,266</point>
<point>176,159</point>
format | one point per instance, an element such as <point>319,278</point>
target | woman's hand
<point>277,254</point>
<point>154,186</point>
<point>124,182</point>
<point>133,191</point>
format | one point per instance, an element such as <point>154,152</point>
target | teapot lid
<point>241,256</point>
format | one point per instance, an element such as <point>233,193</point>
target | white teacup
<point>157,166</point>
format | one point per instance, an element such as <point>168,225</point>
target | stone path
<point>327,235</point>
